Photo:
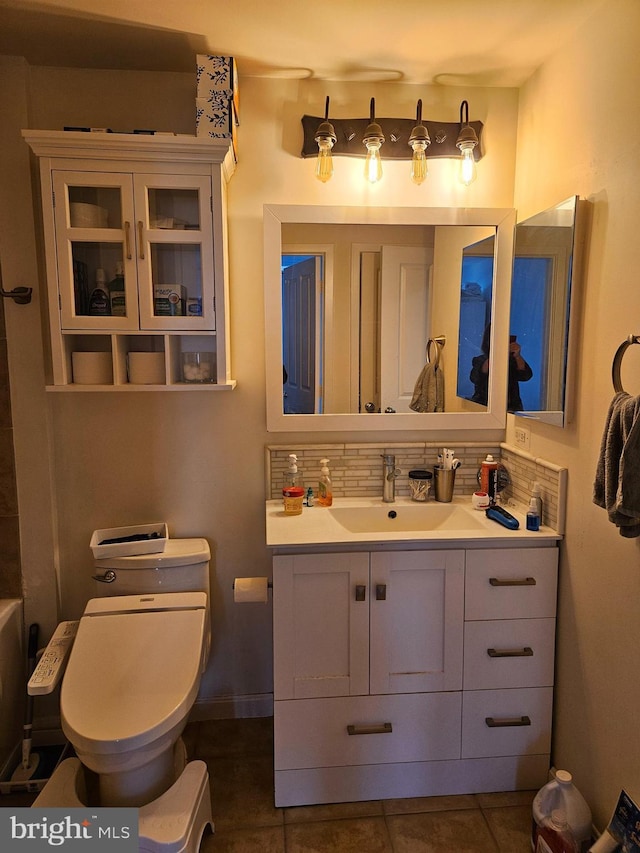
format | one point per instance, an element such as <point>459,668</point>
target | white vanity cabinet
<point>403,673</point>
<point>154,206</point>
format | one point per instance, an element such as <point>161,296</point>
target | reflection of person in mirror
<point>519,371</point>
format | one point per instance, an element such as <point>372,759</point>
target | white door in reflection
<point>405,321</point>
<point>302,321</point>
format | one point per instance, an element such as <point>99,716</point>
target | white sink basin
<point>390,518</point>
<point>368,521</point>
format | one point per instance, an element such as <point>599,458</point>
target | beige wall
<point>578,133</point>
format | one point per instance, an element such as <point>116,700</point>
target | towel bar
<point>617,360</point>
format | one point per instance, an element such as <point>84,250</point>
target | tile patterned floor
<point>239,756</point>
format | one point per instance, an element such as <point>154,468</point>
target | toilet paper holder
<point>269,583</point>
<point>251,590</point>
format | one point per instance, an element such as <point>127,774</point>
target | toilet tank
<point>183,566</point>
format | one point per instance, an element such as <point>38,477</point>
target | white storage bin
<point>132,546</point>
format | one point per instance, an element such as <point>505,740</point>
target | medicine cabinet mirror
<point>353,295</point>
<point>546,271</point>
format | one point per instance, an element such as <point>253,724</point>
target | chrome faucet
<point>389,474</point>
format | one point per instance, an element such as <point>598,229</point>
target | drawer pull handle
<point>525,652</point>
<point>512,581</point>
<point>381,592</point>
<point>374,729</point>
<point>361,592</point>
<point>507,721</point>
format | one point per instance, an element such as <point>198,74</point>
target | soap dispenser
<point>325,491</point>
<point>292,491</point>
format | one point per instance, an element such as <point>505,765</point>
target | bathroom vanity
<point>413,653</point>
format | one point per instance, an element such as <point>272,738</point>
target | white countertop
<point>428,522</point>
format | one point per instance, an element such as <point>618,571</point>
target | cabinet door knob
<point>381,592</point>
<point>361,592</point>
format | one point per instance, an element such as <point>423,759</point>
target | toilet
<point>131,680</point>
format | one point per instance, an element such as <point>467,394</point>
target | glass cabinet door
<point>94,219</point>
<point>174,240</point>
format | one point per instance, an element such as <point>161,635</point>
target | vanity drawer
<point>511,583</point>
<point>506,722</point>
<point>367,730</point>
<point>509,653</point>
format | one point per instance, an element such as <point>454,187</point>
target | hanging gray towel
<point>428,394</point>
<point>617,482</point>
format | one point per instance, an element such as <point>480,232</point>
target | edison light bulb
<point>373,163</point>
<point>418,162</point>
<point>324,164</point>
<point>467,164</point>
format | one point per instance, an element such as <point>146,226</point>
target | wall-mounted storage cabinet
<point>136,258</point>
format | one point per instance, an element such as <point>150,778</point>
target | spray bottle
<point>325,491</point>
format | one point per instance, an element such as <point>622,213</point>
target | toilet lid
<point>133,671</point>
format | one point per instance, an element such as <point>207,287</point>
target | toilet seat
<point>157,642</point>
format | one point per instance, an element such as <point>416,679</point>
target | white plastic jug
<point>562,794</point>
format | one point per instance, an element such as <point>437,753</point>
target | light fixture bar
<point>350,133</point>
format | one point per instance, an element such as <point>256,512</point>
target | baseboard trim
<point>233,707</point>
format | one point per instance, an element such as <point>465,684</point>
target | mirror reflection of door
<point>405,322</point>
<point>302,320</point>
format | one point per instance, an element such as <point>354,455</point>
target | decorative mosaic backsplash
<point>356,470</point>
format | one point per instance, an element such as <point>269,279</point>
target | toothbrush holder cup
<point>444,481</point>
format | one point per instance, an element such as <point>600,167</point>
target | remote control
<point>497,513</point>
<point>52,664</point>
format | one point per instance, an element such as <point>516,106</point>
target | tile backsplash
<point>356,470</point>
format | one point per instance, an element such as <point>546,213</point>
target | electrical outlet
<point>523,437</point>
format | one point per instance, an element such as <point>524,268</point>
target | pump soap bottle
<point>325,491</point>
<point>292,493</point>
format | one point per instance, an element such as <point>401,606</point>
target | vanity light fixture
<point>467,142</point>
<point>326,139</point>
<point>373,139</point>
<point>406,139</point>
<point>419,142</point>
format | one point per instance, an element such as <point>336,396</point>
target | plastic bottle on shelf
<point>99,305</point>
<point>116,293</point>
<point>560,794</point>
<point>325,490</point>
<point>536,494</point>
<point>533,519</point>
<point>489,478</point>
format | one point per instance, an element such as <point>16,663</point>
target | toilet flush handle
<point>108,577</point>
